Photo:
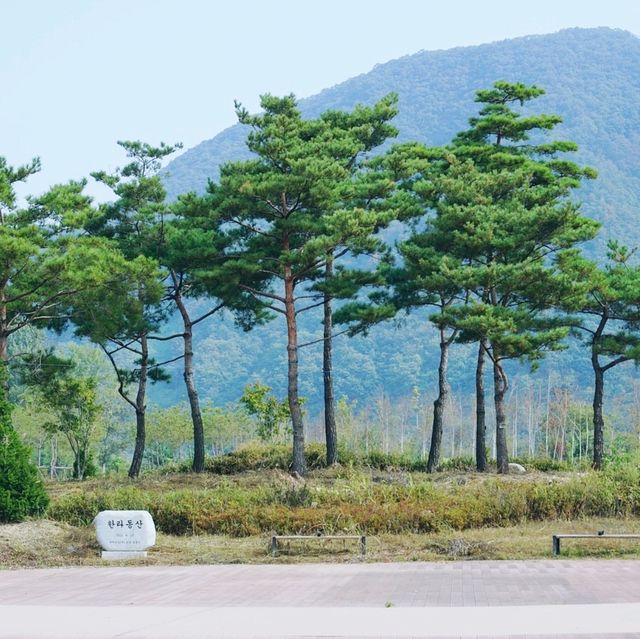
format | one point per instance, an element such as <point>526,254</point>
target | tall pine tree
<point>134,222</point>
<point>499,138</point>
<point>293,204</point>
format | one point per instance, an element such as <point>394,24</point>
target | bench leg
<point>556,546</point>
<point>274,546</point>
<point>363,545</point>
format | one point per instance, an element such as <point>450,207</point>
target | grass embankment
<point>352,501</point>
<point>216,517</point>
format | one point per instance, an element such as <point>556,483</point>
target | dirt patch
<point>460,548</point>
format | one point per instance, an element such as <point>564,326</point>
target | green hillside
<point>592,79</point>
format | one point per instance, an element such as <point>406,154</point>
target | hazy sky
<point>77,75</point>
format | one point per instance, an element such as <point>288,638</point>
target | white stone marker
<point>125,534</point>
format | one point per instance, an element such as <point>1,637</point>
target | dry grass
<point>325,477</point>
<point>41,543</point>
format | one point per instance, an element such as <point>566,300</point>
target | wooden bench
<point>557,538</point>
<point>276,538</point>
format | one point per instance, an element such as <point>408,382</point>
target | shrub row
<point>358,504</point>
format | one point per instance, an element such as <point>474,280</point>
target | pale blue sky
<point>77,75</point>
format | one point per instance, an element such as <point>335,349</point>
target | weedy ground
<point>407,516</point>
<point>44,543</point>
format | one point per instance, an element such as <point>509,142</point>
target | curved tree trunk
<point>439,406</point>
<point>189,380</point>
<point>194,401</point>
<point>500,385</point>
<point>330,429</point>
<point>598,418</point>
<point>598,393</point>
<point>141,408</point>
<point>299,464</point>
<point>481,424</point>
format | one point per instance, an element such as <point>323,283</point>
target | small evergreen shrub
<point>389,461</point>
<point>21,491</point>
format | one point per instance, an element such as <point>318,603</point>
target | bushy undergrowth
<point>355,502</point>
<point>260,457</point>
<point>545,464</point>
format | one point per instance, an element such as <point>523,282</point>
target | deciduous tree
<point>70,399</point>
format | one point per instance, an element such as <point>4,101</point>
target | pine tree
<point>608,302</point>
<point>47,264</point>
<point>134,222</point>
<point>21,491</point>
<point>293,204</point>
<point>508,235</point>
<point>499,139</point>
<point>489,213</point>
<point>192,252</point>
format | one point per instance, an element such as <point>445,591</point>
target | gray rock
<point>517,469</point>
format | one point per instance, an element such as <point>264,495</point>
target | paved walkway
<point>456,599</point>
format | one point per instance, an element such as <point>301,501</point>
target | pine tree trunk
<point>500,385</point>
<point>141,408</point>
<point>194,402</point>
<point>4,353</point>
<point>481,424</point>
<point>4,373</point>
<point>192,391</point>
<point>299,465</point>
<point>439,406</point>
<point>598,419</point>
<point>331,435</point>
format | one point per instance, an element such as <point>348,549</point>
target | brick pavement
<point>452,592</point>
<point>466,583</point>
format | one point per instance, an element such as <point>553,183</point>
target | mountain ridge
<point>592,80</point>
<point>433,105</point>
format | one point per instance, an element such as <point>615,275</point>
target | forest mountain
<point>591,79</point>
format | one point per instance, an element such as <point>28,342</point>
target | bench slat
<point>555,547</point>
<point>595,535</point>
